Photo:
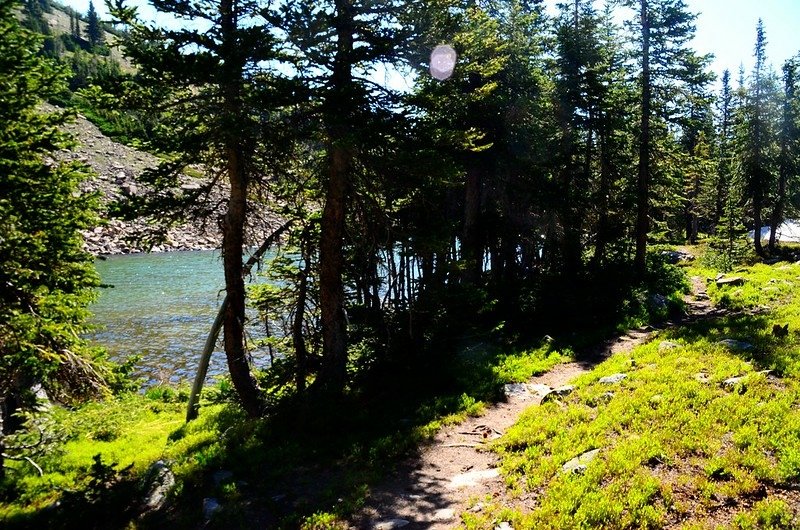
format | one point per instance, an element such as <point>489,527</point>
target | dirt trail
<point>430,490</point>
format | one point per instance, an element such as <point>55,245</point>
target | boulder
<point>735,345</point>
<point>666,345</point>
<point>733,281</point>
<point>579,463</point>
<point>161,481</point>
<point>612,379</point>
<point>390,524</point>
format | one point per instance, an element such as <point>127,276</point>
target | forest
<point>431,179</point>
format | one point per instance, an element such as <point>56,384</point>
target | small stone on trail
<point>505,525</point>
<point>515,389</point>
<point>473,478</point>
<point>611,379</point>
<point>736,345</point>
<point>445,514</point>
<point>542,390</point>
<point>390,524</point>
<point>579,463</point>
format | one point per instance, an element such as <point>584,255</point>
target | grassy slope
<point>677,449</point>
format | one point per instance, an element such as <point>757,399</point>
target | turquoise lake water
<point>161,307</point>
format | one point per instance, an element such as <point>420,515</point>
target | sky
<point>726,28</point>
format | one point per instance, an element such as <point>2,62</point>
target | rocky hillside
<point>117,168</point>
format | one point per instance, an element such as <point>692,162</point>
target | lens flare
<point>443,61</point>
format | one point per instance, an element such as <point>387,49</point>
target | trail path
<point>430,490</point>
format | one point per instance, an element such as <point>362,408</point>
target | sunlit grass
<point>677,444</point>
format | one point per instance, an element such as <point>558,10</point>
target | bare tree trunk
<point>470,243</point>
<point>643,176</point>
<point>298,340</point>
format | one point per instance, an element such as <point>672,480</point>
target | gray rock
<point>579,463</point>
<point>210,507</point>
<point>389,524</point>
<point>733,281</point>
<point>161,481</point>
<point>612,379</point>
<point>702,377</point>
<point>666,345</point>
<point>733,381</point>
<point>515,389</point>
<point>659,301</point>
<point>221,477</point>
<point>539,389</point>
<point>735,345</point>
<point>605,397</point>
<point>445,514</point>
<point>505,525</point>
<point>556,393</point>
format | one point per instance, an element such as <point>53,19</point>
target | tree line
<point>526,187</point>
<point>560,148</point>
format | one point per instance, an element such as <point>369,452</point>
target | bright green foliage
<point>47,279</point>
<point>674,439</point>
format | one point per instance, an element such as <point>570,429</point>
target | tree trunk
<point>233,223</point>
<point>643,176</point>
<point>338,114</point>
<point>471,250</point>
<point>601,239</point>
<point>298,340</point>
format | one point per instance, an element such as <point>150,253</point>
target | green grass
<point>677,449</point>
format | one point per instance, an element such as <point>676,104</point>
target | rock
<point>659,301</point>
<point>505,525</point>
<point>612,379</point>
<point>221,477</point>
<point>735,345</point>
<point>780,331</point>
<point>733,281</point>
<point>389,524</point>
<point>556,393</point>
<point>210,507</point>
<point>666,345</point>
<point>674,257</point>
<point>445,514</point>
<point>579,463</point>
<point>515,389</point>
<point>605,397</point>
<point>732,381</point>
<point>161,480</point>
<point>473,478</point>
<point>702,377</point>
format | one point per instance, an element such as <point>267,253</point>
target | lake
<point>161,307</point>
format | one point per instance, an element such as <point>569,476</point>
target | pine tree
<point>757,134</point>
<point>664,29</point>
<point>218,98</point>
<point>94,31</point>
<point>47,278</point>
<point>789,137</point>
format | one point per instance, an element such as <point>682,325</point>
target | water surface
<point>161,307</point>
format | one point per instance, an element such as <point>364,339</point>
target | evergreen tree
<point>663,29</point>
<point>47,279</point>
<point>757,134</point>
<point>217,96</point>
<point>789,138</point>
<point>94,31</point>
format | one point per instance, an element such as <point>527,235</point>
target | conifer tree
<point>218,96</point>
<point>94,31</point>
<point>47,278</point>
<point>789,137</point>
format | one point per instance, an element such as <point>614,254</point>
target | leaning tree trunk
<point>643,176</point>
